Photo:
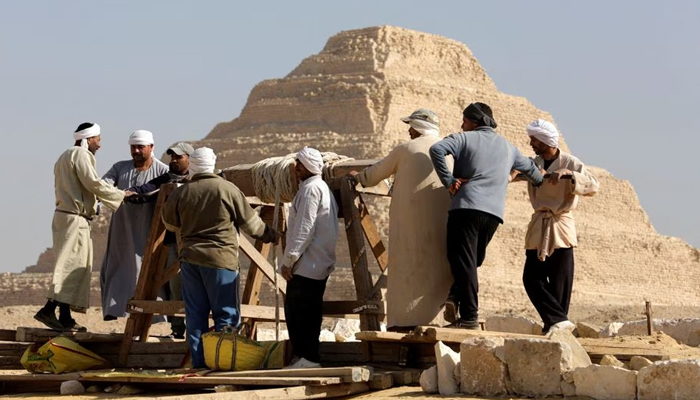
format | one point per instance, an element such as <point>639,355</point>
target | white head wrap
<point>86,133</point>
<point>425,128</point>
<point>202,160</point>
<point>141,138</point>
<point>545,132</point>
<point>312,160</point>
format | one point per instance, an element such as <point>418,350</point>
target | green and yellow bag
<point>229,351</point>
<point>60,355</point>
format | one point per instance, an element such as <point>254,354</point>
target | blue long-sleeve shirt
<point>485,158</point>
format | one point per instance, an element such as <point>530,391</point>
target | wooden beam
<point>349,374</point>
<point>184,380</point>
<point>374,307</point>
<point>372,234</point>
<point>177,307</point>
<point>459,335</point>
<point>8,334</point>
<point>40,335</point>
<point>249,250</point>
<point>358,256</point>
<point>294,392</point>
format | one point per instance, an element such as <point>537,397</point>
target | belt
<point>75,213</point>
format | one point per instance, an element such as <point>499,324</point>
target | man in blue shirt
<point>483,160</point>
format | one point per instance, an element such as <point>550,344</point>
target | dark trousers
<point>303,309</point>
<point>548,284</point>
<point>468,234</point>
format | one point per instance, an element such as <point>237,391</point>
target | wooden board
<point>214,380</point>
<point>295,392</point>
<point>40,335</point>
<point>459,335</point>
<point>264,266</point>
<point>349,374</point>
<point>8,334</point>
<point>177,307</point>
<point>377,336</point>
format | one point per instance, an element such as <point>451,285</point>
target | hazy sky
<point>621,78</point>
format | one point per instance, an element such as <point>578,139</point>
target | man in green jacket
<point>206,214</point>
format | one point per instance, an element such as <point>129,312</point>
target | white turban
<point>425,128</point>
<point>141,138</point>
<point>202,160</point>
<point>86,133</point>
<point>545,132</point>
<point>312,160</point>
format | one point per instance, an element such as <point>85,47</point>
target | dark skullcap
<point>480,114</point>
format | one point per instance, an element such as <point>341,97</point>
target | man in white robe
<point>129,228</point>
<point>77,187</point>
<point>548,275</point>
<point>419,273</point>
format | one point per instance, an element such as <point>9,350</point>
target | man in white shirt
<point>312,232</point>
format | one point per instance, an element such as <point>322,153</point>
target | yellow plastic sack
<point>229,351</point>
<point>60,355</point>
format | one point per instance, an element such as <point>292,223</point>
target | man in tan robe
<point>77,189</point>
<point>551,235</point>
<point>419,273</point>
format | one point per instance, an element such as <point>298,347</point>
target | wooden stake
<point>650,325</point>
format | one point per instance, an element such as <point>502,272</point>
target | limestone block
<point>268,335</point>
<point>611,329</point>
<point>484,371</point>
<point>611,361</point>
<point>685,330</point>
<point>639,362</point>
<point>603,382</point>
<point>678,380</point>
<point>535,366</point>
<point>504,323</point>
<point>580,358</point>
<point>586,330</point>
<point>446,359</point>
<point>346,328</point>
<point>70,388</point>
<point>126,390</point>
<point>568,389</point>
<point>429,380</point>
<point>326,336</point>
<point>457,373</point>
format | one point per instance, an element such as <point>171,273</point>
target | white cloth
<point>312,160</point>
<point>544,131</point>
<point>141,138</point>
<point>312,230</point>
<point>202,160</point>
<point>86,133</point>
<point>425,128</point>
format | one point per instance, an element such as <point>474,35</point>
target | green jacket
<point>206,213</point>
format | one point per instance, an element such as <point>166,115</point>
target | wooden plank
<point>40,335</point>
<point>152,361</point>
<point>381,381</point>
<point>11,361</point>
<point>349,374</point>
<point>344,307</point>
<point>372,234</point>
<point>378,336</point>
<point>215,380</point>
<point>294,392</point>
<point>459,335</point>
<point>177,307</point>
<point>249,250</point>
<point>358,256</point>
<point>8,334</point>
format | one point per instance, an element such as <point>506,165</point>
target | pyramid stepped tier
<point>349,99</point>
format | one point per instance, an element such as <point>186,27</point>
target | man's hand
<point>556,176</point>
<point>454,188</point>
<point>353,175</point>
<point>286,272</point>
<point>271,235</point>
<point>128,193</point>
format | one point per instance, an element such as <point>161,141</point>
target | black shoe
<point>471,324</point>
<point>450,313</point>
<point>177,335</point>
<point>110,318</point>
<point>72,326</point>
<point>49,320</point>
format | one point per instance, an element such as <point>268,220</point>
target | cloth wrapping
<point>544,131</point>
<point>312,160</point>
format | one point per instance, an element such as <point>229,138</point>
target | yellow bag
<point>60,355</point>
<point>229,351</point>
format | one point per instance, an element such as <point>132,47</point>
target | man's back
<point>71,196</point>
<point>485,159</point>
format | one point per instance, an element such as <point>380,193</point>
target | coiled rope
<point>273,175</point>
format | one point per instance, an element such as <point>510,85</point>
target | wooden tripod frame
<point>358,227</point>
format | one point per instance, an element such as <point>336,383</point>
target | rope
<point>273,175</point>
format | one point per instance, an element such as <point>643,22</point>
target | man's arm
<point>438,152</point>
<point>246,219</point>
<point>527,166</point>
<point>302,232</point>
<point>383,169</point>
<point>151,185</point>
<point>585,184</point>
<point>112,176</point>
<point>104,191</point>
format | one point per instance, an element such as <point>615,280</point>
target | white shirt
<point>312,230</point>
